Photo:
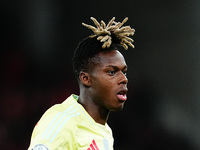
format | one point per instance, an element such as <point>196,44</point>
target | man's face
<point>109,81</point>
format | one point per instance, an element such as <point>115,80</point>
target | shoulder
<point>57,126</point>
<point>59,116</point>
<point>60,112</point>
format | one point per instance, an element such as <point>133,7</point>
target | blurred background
<point>38,38</point>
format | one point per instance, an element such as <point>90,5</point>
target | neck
<point>98,113</point>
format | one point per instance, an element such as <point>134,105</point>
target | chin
<point>118,108</point>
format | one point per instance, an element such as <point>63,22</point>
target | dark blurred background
<point>38,38</point>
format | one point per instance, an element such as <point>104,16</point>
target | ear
<point>85,78</point>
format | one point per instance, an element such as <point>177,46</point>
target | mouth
<point>122,95</point>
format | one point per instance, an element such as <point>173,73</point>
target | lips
<point>122,95</point>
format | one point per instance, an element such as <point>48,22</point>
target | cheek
<point>107,86</point>
<point>102,85</point>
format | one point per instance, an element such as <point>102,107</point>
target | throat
<point>99,114</point>
<point>101,120</point>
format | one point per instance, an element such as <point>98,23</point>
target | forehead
<point>113,57</point>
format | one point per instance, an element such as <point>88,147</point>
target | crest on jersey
<point>40,147</point>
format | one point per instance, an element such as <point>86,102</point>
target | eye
<point>124,72</point>
<point>111,72</point>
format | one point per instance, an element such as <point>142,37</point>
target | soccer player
<point>80,122</point>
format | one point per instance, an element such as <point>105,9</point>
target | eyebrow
<point>116,67</point>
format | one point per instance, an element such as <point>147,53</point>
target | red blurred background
<point>37,43</point>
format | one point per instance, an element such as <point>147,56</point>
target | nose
<point>123,79</point>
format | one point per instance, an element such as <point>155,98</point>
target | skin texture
<point>101,84</point>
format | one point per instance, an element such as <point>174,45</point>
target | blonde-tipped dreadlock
<point>104,32</point>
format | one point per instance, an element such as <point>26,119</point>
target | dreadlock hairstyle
<point>110,35</point>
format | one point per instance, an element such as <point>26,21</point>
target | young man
<point>80,122</point>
